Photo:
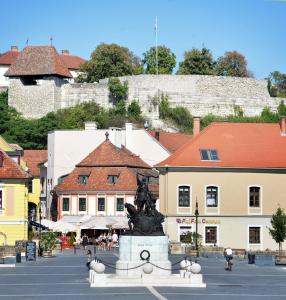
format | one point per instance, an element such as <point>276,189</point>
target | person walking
<point>84,241</point>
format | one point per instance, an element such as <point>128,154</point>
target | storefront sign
<point>193,221</point>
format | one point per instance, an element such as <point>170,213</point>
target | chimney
<point>157,135</point>
<point>115,136</point>
<point>14,49</point>
<point>196,126</point>
<point>65,52</point>
<point>128,135</point>
<point>282,125</point>
<point>90,126</point>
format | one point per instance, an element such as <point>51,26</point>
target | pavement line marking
<point>225,295</point>
<point>155,293</point>
<point>55,283</point>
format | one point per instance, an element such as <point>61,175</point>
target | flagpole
<point>156,36</point>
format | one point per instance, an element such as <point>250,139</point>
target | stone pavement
<point>66,276</point>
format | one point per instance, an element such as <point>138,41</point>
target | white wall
<point>4,81</point>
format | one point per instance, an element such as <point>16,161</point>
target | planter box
<point>280,260</point>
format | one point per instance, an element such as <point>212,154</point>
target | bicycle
<point>229,263</point>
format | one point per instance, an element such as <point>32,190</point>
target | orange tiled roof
<point>38,60</point>
<point>72,62</point>
<point>9,57</point>
<point>10,169</point>
<point>171,140</point>
<point>106,154</point>
<point>239,145</point>
<point>33,158</point>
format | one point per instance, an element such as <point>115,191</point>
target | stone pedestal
<point>130,248</point>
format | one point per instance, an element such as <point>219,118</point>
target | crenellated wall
<point>201,94</point>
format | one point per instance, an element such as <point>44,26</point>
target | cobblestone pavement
<point>66,276</point>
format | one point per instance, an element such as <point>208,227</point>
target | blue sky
<point>255,28</point>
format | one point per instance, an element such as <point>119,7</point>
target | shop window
<point>210,234</point>
<point>66,204</point>
<point>101,204</point>
<point>120,204</point>
<point>254,196</point>
<point>30,186</point>
<point>1,199</point>
<point>184,196</point>
<point>82,204</point>
<point>254,235</point>
<point>185,234</point>
<point>212,196</point>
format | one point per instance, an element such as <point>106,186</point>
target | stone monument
<point>143,250</point>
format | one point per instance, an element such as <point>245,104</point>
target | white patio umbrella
<point>98,223</point>
<point>48,223</point>
<point>64,227</point>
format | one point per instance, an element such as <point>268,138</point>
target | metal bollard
<point>18,257</point>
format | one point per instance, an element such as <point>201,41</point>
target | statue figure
<point>143,218</point>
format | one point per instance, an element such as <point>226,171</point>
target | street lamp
<point>196,237</point>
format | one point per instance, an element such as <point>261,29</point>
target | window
<point>30,186</point>
<point>211,196</point>
<point>1,159</point>
<point>42,185</point>
<point>112,179</point>
<point>101,204</point>
<point>82,204</point>
<point>254,196</point>
<point>82,179</point>
<point>209,154</point>
<point>254,235</point>
<point>1,199</point>
<point>185,234</point>
<point>184,196</point>
<point>66,204</point>
<point>120,204</point>
<point>211,235</point>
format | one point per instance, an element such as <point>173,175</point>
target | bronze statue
<point>144,219</point>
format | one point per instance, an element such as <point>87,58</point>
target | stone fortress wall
<point>199,93</point>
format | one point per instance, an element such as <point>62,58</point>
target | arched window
<point>184,196</point>
<point>254,196</point>
<point>212,196</point>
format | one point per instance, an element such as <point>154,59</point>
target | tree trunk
<point>280,248</point>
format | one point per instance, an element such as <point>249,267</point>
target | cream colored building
<point>237,173</point>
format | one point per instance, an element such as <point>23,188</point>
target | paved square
<point>66,276</point>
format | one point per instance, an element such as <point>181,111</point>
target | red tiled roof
<point>171,140</point>
<point>38,60</point>
<point>106,154</point>
<point>239,145</point>
<point>10,169</point>
<point>33,158</point>
<point>72,62</point>
<point>9,57</point>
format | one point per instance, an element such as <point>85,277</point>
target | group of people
<point>105,241</point>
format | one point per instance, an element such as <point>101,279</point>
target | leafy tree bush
<point>277,84</point>
<point>134,110</point>
<point>166,60</point>
<point>198,62</point>
<point>278,230</point>
<point>118,91</point>
<point>48,240</point>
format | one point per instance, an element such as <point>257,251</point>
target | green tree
<point>118,91</point>
<point>277,84</point>
<point>134,110</point>
<point>281,109</point>
<point>232,64</point>
<point>278,230</point>
<point>110,60</point>
<point>198,62</point>
<point>166,60</point>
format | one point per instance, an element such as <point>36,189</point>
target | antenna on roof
<point>156,43</point>
<point>51,40</point>
<point>27,41</point>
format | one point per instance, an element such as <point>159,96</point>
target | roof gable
<point>9,57</point>
<point>33,158</point>
<point>72,62</point>
<point>38,60</point>
<point>239,145</point>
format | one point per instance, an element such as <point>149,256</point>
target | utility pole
<point>156,44</point>
<point>196,215</point>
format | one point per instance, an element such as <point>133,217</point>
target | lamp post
<point>196,238</point>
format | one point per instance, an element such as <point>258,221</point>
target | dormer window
<point>209,154</point>
<point>112,179</point>
<point>82,179</point>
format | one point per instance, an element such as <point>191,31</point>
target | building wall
<point>233,215</point>
<point>4,81</point>
<point>201,94</point>
<point>13,217</point>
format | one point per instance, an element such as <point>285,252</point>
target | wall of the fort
<point>201,94</point>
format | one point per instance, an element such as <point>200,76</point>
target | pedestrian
<point>114,238</point>
<point>88,254</point>
<point>84,241</point>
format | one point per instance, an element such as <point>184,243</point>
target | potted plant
<point>278,233</point>
<point>190,240</point>
<point>48,242</point>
